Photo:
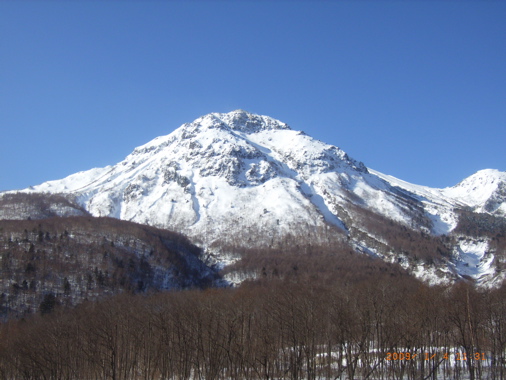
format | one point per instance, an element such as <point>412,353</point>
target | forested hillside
<point>65,261</point>
<point>383,325</point>
<point>81,296</point>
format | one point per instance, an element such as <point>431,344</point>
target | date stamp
<point>457,356</point>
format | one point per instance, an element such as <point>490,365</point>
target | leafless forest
<point>381,326</point>
<point>83,301</point>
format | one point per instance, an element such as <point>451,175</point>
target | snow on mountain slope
<point>438,206</point>
<point>229,172</point>
<point>484,191</point>
<point>232,176</point>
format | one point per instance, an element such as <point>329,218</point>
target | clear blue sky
<point>414,89</point>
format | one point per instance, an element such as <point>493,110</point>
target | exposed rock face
<point>229,177</point>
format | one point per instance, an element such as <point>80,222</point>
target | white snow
<point>227,176</point>
<point>473,259</point>
<point>476,190</point>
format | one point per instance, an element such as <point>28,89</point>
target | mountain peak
<point>235,178</point>
<point>240,121</point>
<point>484,191</point>
<point>483,179</point>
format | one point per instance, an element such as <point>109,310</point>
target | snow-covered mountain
<point>482,192</point>
<point>238,176</point>
<point>235,171</point>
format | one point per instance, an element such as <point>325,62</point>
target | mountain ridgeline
<point>245,188</point>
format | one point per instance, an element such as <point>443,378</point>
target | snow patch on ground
<point>431,275</point>
<point>473,259</point>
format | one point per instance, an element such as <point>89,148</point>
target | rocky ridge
<point>237,178</point>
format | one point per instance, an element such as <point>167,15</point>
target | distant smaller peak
<point>483,176</point>
<point>490,173</point>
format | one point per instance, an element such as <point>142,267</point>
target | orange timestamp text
<point>458,356</point>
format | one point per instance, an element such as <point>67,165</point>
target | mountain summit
<point>221,173</point>
<point>235,178</point>
<point>241,121</point>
